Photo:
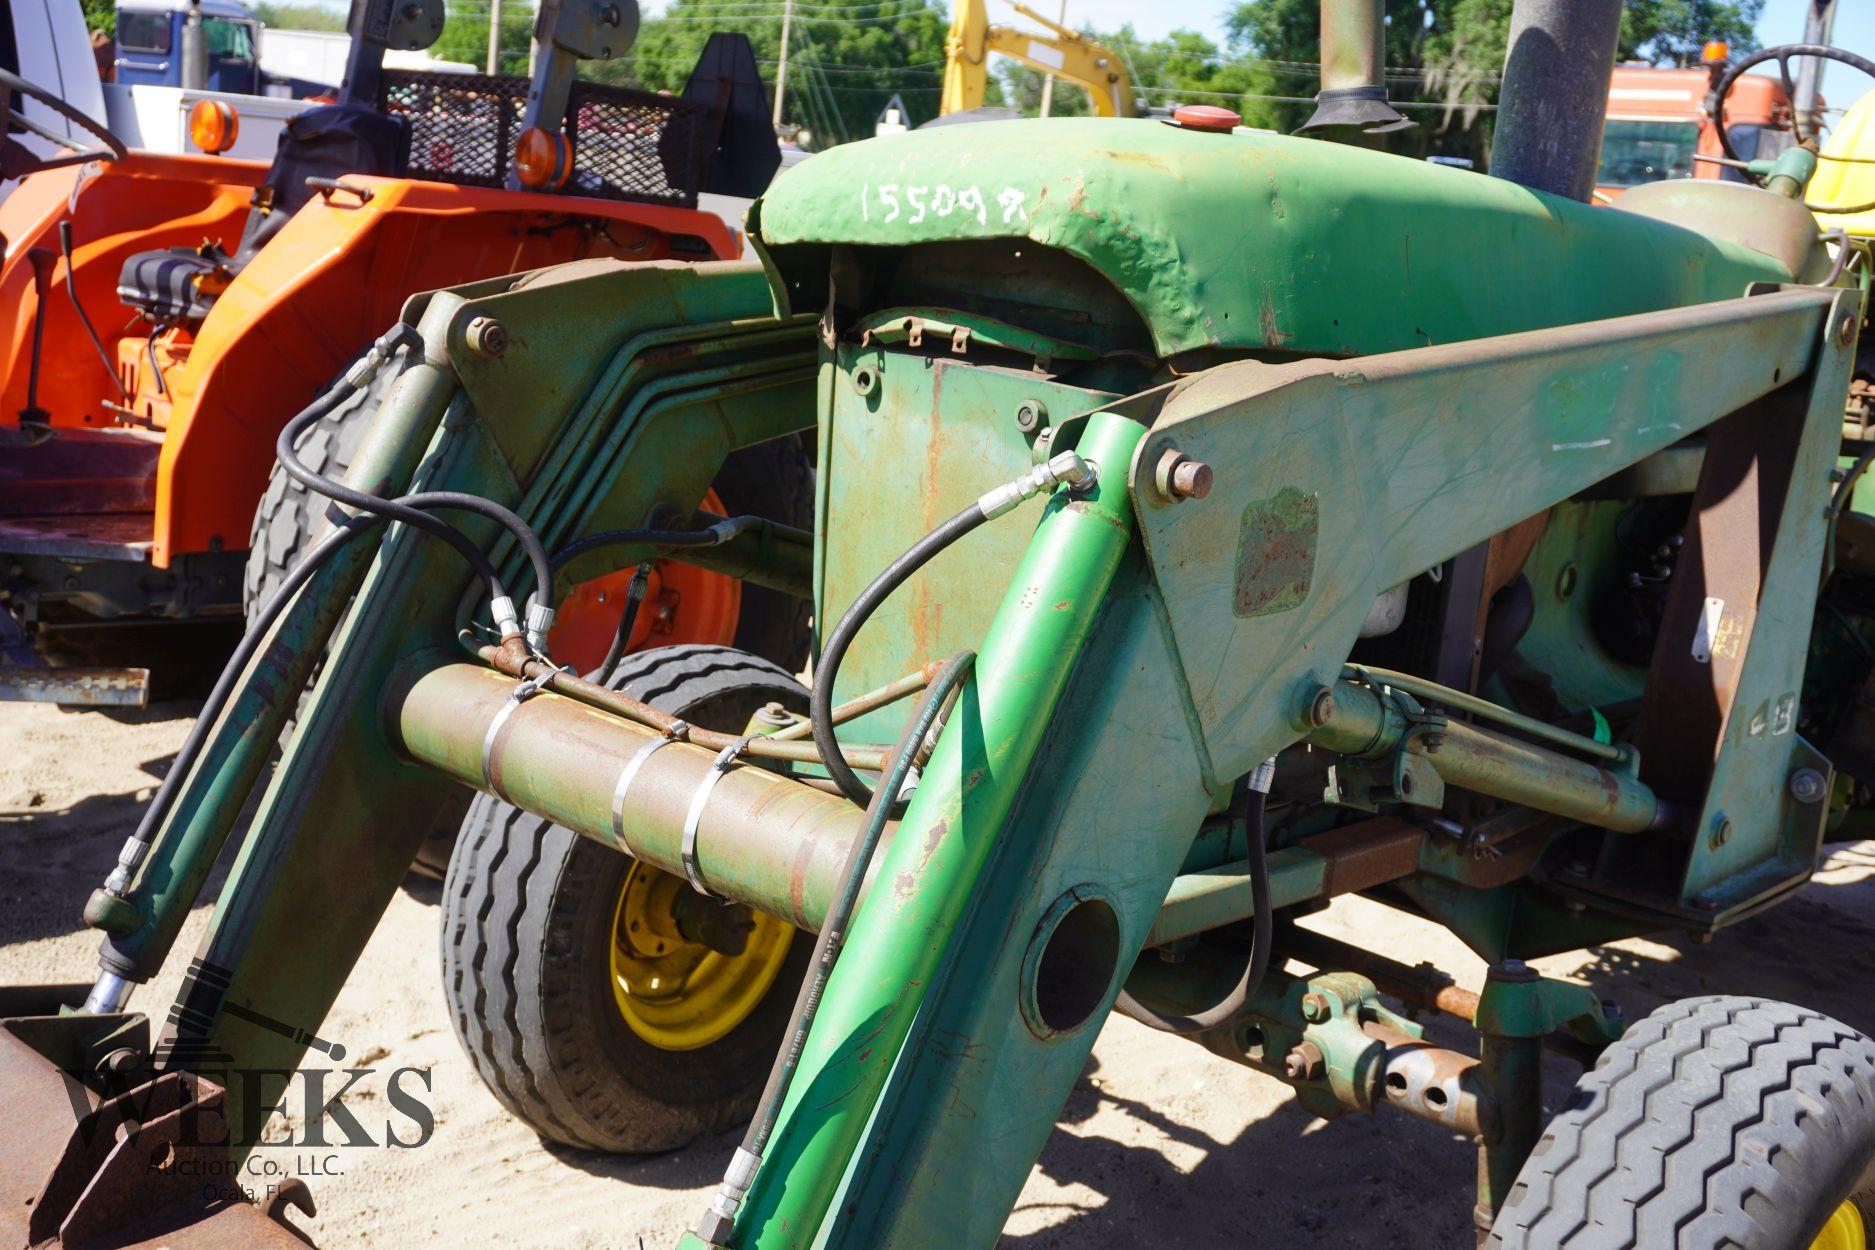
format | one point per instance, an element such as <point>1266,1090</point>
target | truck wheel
<point>583,1005</point>
<point>1715,1122</point>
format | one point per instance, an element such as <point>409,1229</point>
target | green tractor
<point>1207,523</point>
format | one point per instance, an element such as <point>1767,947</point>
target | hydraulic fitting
<point>507,623</point>
<point>539,624</point>
<point>1065,469</point>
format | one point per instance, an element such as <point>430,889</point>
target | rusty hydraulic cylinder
<point>762,839</point>
<point>1356,720</point>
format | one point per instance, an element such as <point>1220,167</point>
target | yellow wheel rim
<point>679,994</point>
<point>1845,1230</point>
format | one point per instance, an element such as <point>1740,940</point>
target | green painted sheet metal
<point>1251,241</point>
<point>954,823</point>
<point>931,436</point>
<point>1416,456</point>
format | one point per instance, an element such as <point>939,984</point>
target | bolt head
<point>1304,1063</point>
<point>1845,330</point>
<point>1315,1007</point>
<point>1191,480</point>
<point>1322,707</point>
<point>1179,477</point>
<point>1721,831</point>
<point>1808,786</point>
<point>486,336</point>
<point>1030,414</point>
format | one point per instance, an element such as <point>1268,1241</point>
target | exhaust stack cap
<point>1365,107</point>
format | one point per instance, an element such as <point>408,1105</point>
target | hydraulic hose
<point>715,534</point>
<point>540,612</point>
<point>1066,468</point>
<point>244,651</point>
<point>820,701</point>
<point>720,1218</point>
<point>621,637</point>
<point>1257,964</point>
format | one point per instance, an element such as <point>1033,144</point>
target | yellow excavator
<point>1065,53</point>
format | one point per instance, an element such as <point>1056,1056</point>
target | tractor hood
<point>1248,240</point>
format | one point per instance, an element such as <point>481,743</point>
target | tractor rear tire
<point>530,918</point>
<point>1716,1122</point>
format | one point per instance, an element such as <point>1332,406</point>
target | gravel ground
<point>1161,1142</point>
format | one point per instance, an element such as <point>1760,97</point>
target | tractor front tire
<point>1716,1123</point>
<point>542,955</point>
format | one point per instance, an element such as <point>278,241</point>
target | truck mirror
<point>404,25</point>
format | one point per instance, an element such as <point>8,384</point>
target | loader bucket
<point>97,1150</point>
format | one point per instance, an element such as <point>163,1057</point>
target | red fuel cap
<point>1206,117</point>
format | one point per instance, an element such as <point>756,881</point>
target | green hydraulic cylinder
<point>934,862</point>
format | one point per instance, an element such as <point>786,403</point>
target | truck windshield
<point>1634,152</point>
<point>231,40</point>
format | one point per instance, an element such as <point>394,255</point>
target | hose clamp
<point>524,690</point>
<point>718,767</point>
<point>630,774</point>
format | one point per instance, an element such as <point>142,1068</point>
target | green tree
<point>465,34</point>
<point>844,63</point>
<point>101,15</point>
<point>299,17</point>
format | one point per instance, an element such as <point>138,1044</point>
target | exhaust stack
<point>1555,94</point>
<point>1354,60</point>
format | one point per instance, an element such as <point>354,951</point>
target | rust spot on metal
<point>1276,553</point>
<point>1366,854</point>
<point>1063,606</point>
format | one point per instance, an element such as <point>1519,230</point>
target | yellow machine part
<point>1838,182</point>
<point>1065,53</point>
<point>1845,1230</point>
<point>676,993</point>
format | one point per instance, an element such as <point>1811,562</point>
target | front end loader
<point>1208,524</point>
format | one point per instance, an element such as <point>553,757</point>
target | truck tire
<point>1716,1122</point>
<point>537,959</point>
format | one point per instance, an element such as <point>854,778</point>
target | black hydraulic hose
<point>257,631</point>
<point>71,290</point>
<point>396,510</point>
<point>621,637</point>
<point>717,1222</point>
<point>820,702</point>
<point>231,672</point>
<point>1255,967</point>
<point>650,538</point>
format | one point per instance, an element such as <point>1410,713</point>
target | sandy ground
<point>1161,1142</point>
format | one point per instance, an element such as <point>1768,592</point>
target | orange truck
<point>162,316</point>
<point>1659,121</point>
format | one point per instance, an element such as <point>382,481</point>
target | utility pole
<point>1818,21</point>
<point>1048,80</point>
<point>781,71</point>
<point>494,37</point>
